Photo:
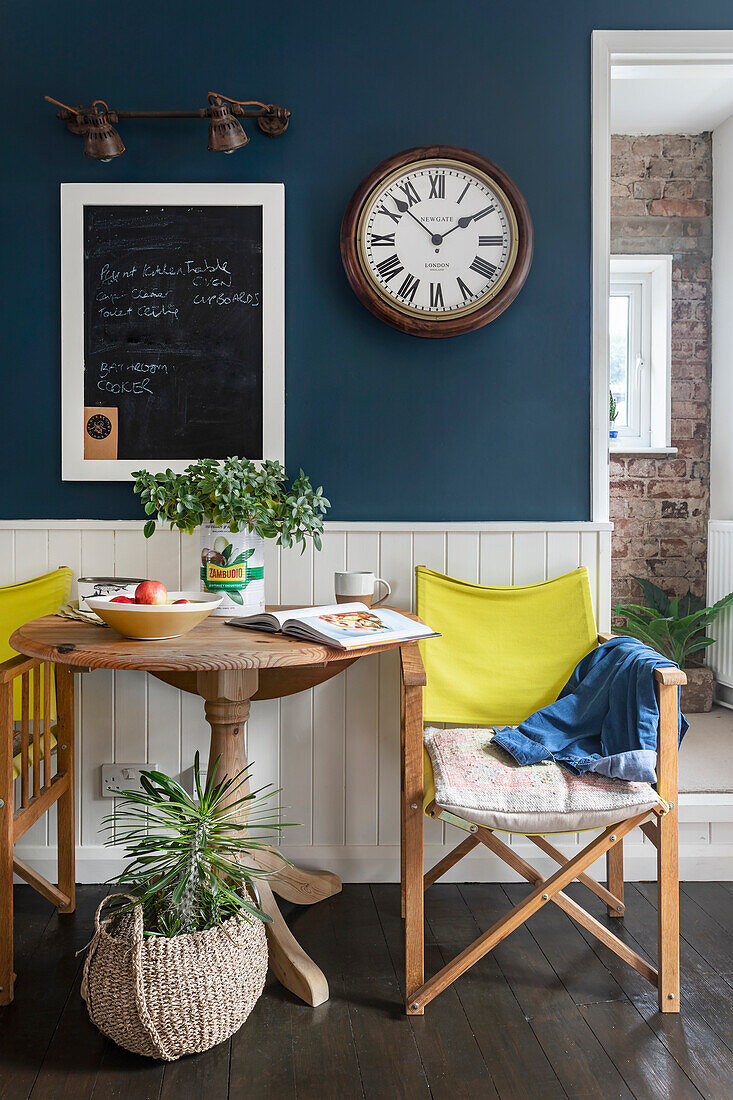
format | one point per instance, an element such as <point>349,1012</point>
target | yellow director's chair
<point>37,716</point>
<point>504,653</point>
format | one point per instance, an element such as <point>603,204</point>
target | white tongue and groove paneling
<point>396,566</point>
<point>329,713</point>
<point>296,712</point>
<point>335,750</point>
<point>361,792</point>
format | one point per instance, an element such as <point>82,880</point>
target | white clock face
<point>438,239</point>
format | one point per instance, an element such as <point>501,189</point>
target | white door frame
<point>609,47</point>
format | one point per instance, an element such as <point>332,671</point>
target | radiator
<point>720,583</point>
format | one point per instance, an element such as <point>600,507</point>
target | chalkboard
<point>173,329</point>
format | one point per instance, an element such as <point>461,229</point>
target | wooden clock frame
<point>432,326</point>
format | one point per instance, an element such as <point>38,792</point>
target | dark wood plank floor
<point>550,1013</point>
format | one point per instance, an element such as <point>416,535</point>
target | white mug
<point>359,587</point>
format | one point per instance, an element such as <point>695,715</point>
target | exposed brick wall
<point>661,202</point>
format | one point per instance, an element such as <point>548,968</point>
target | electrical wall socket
<point>122,777</point>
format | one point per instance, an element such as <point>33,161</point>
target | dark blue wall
<point>493,425</point>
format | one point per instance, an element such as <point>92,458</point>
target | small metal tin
<point>106,586</point>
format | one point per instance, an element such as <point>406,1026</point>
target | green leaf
<point>690,603</point>
<point>237,491</point>
<point>655,597</point>
<point>149,528</point>
<point>236,596</point>
<point>237,561</point>
<point>726,601</point>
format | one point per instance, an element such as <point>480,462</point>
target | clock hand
<point>405,209</point>
<point>462,223</point>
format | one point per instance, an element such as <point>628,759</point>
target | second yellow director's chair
<point>504,653</point>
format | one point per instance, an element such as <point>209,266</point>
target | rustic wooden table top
<point>211,646</point>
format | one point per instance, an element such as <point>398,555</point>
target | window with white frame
<point>640,318</point>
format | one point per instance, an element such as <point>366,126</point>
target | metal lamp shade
<point>225,133</point>
<point>101,140</point>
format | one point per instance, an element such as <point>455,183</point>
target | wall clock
<point>437,241</point>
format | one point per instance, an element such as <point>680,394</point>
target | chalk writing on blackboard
<point>173,328</point>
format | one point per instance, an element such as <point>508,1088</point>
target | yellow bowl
<point>155,622</point>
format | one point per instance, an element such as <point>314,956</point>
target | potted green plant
<point>236,504</point>
<point>675,627</point>
<point>179,966</point>
<point>612,415</point>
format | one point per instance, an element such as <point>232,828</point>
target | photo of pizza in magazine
<point>344,625</point>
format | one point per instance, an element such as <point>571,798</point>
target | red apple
<point>180,601</point>
<point>151,592</point>
<point>121,599</point>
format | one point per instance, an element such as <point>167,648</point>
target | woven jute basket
<point>168,997</point>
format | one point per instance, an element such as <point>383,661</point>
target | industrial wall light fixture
<point>96,124</point>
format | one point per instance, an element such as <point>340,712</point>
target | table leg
<point>295,883</point>
<point>227,696</point>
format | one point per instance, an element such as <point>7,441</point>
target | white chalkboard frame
<point>74,197</point>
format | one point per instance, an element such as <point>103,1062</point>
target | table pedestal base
<point>227,696</point>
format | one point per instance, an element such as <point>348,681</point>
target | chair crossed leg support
<point>663,835</point>
<point>545,890</point>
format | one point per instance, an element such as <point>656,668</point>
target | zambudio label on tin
<point>225,578</point>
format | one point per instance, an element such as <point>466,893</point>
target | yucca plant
<point>674,626</point>
<point>185,854</point>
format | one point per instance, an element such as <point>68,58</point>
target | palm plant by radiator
<point>676,627</point>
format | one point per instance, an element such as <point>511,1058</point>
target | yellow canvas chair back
<point>503,651</point>
<point>30,600</point>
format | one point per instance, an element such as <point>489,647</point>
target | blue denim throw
<point>605,720</point>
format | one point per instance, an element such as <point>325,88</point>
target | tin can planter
<point>696,696</point>
<point>233,564</point>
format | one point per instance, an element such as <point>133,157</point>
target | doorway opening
<point>662,210</point>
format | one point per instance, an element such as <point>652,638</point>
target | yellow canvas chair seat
<point>474,783</point>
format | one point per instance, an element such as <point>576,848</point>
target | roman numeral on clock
<point>436,295</point>
<point>483,267</point>
<point>410,193</point>
<point>484,242</point>
<point>390,267</point>
<point>463,289</point>
<point>463,192</point>
<point>390,214</point>
<point>437,186</point>
<point>483,213</point>
<point>408,288</point>
<point>378,240</point>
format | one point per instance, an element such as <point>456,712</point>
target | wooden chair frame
<point>663,833</point>
<point>35,798</point>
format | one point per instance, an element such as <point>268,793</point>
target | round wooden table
<point>230,669</point>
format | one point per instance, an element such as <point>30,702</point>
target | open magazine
<point>344,625</point>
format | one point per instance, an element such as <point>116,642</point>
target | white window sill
<point>619,448</point>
